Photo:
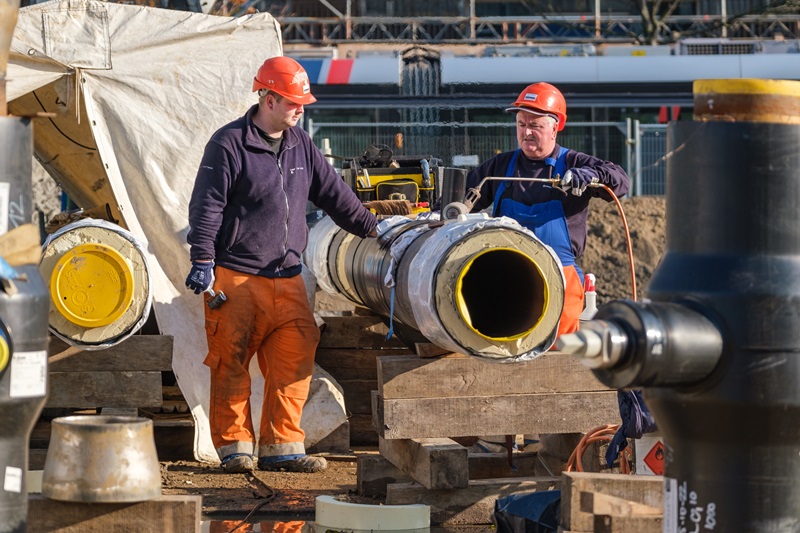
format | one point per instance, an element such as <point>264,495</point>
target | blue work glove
<point>201,277</point>
<point>636,421</point>
<point>576,180</point>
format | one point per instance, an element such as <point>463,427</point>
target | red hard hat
<point>286,77</point>
<point>542,99</point>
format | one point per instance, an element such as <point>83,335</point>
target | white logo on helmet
<point>530,97</point>
<point>301,78</point>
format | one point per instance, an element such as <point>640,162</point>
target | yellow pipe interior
<point>501,294</point>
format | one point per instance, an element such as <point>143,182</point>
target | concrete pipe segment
<point>482,286</point>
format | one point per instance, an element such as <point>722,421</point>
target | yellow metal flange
<point>92,285</point>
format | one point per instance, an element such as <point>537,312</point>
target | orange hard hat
<point>286,77</point>
<point>542,99</point>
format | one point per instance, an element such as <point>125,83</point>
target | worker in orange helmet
<point>556,213</point>
<point>247,234</point>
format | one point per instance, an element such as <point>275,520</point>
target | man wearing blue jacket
<point>247,236</point>
<point>556,214</point>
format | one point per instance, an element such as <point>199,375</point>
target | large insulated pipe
<point>475,285</point>
<point>717,348</point>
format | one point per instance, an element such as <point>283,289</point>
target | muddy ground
<point>284,494</point>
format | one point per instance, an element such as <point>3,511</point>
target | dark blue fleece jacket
<point>247,210</point>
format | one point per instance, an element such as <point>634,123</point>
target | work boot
<point>292,463</point>
<point>238,463</point>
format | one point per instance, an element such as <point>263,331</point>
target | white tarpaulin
<point>136,93</point>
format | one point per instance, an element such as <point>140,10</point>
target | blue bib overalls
<point>549,224</point>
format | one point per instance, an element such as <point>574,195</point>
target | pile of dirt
<point>606,254</point>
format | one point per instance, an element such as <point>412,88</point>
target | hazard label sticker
<point>655,458</point>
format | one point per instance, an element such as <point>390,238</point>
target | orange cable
<point>598,434</point>
<point>627,237</point>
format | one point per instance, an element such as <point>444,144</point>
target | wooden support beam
<point>167,514</point>
<point>495,465</point>
<point>428,349</point>
<point>604,504</point>
<point>362,432</point>
<point>433,463</point>
<point>358,394</point>
<point>403,376</point>
<point>374,472</point>
<point>104,389</point>
<point>473,505</point>
<point>508,414</point>
<point>136,353</point>
<point>646,490</point>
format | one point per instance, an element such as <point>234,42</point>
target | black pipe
<point>733,247</point>
<point>656,344</point>
<point>24,307</point>
<point>729,409</point>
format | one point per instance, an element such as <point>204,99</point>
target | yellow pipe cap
<point>92,285</point>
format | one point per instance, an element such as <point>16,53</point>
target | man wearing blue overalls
<point>556,214</point>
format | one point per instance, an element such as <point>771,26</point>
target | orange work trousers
<point>225,526</point>
<point>573,301</point>
<point>272,319</point>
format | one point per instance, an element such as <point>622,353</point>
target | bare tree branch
<point>655,18</point>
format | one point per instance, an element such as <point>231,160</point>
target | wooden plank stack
<point>422,404</point>
<point>127,375</point>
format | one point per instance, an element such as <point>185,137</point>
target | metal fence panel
<point>653,149</point>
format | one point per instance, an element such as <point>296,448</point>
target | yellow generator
<point>379,175</point>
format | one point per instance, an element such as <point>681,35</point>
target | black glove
<point>201,277</point>
<point>576,180</point>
